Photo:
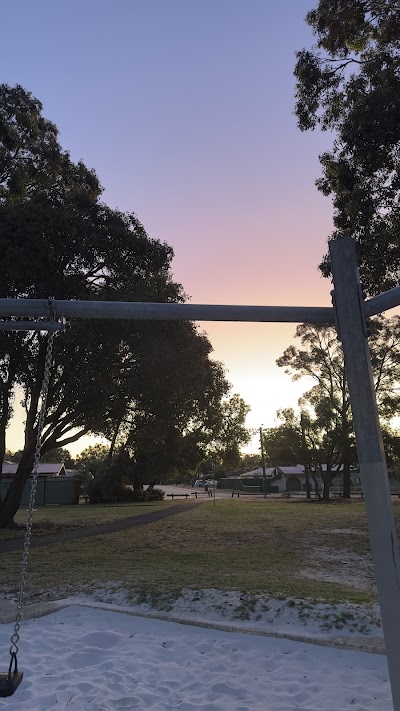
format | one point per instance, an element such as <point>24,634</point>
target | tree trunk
<point>12,501</point>
<point>346,456</point>
<point>305,456</point>
<point>327,479</point>
<point>346,481</point>
<point>307,478</point>
<point>5,413</point>
<point>113,440</point>
<point>316,484</point>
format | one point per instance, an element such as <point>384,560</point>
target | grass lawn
<point>56,519</point>
<point>284,548</point>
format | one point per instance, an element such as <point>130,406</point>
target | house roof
<point>292,471</point>
<point>259,472</point>
<point>299,469</point>
<point>43,470</point>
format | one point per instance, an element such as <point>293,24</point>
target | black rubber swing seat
<point>10,681</point>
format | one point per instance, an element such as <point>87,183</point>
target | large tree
<point>57,238</point>
<point>231,433</point>
<point>167,426</point>
<point>299,439</point>
<point>349,83</point>
<point>320,358</point>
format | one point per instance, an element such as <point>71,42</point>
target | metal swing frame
<point>349,313</point>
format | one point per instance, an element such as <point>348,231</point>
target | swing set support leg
<point>352,331</point>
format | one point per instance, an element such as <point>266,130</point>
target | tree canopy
<point>349,83</point>
<point>233,433</point>
<point>283,443</point>
<point>58,239</point>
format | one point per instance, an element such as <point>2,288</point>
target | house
<point>294,478</point>
<point>45,470</point>
<point>54,486</point>
<point>241,480</point>
<point>282,478</point>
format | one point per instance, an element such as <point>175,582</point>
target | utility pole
<point>263,463</point>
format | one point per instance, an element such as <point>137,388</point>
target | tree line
<point>321,437</point>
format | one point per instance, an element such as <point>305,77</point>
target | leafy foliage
<point>232,433</point>
<point>166,426</point>
<point>330,436</point>
<point>108,377</point>
<point>283,443</point>
<point>349,83</point>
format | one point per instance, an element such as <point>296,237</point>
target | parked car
<point>199,482</point>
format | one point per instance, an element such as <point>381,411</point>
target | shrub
<point>141,495</point>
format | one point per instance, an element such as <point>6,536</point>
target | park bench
<point>202,493</point>
<point>175,496</point>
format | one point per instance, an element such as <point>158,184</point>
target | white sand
<point>86,659</point>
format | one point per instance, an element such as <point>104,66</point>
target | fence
<point>49,491</point>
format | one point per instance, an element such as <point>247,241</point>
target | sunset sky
<point>185,110</point>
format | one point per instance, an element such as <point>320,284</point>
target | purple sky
<point>185,110</point>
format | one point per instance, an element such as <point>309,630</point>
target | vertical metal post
<point>263,463</point>
<point>352,332</point>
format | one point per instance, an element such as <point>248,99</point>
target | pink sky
<point>185,110</point>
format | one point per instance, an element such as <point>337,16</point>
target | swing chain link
<point>35,471</point>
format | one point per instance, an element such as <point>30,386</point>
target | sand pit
<point>85,659</point>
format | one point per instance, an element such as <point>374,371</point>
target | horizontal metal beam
<point>382,302</point>
<point>140,311</point>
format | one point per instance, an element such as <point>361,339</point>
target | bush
<point>105,488</point>
<point>98,494</point>
<point>141,495</point>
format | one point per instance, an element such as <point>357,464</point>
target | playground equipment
<point>349,313</point>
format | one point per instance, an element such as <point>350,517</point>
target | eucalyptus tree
<point>302,439</point>
<point>233,433</point>
<point>320,358</point>
<point>349,84</point>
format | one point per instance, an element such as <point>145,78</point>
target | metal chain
<point>35,470</point>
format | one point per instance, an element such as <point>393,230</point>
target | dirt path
<point>112,527</point>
